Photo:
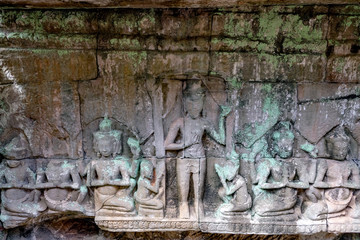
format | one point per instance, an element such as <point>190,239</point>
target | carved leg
<point>183,181</point>
<point>199,179</point>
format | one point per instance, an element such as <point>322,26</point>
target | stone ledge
<point>161,3</point>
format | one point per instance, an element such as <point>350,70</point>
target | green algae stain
<point>235,83</point>
<point>271,110</point>
<point>269,24</point>
<point>237,25</point>
<point>274,60</point>
<point>295,28</point>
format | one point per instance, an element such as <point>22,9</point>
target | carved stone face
<point>283,142</point>
<point>338,150</point>
<point>194,107</point>
<point>285,147</point>
<point>105,146</point>
<point>147,169</point>
<point>231,172</point>
<point>338,144</point>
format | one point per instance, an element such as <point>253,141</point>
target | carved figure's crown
<point>105,125</point>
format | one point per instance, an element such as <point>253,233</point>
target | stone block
<point>270,103</point>
<point>345,10</point>
<point>260,67</point>
<point>239,44</point>
<point>234,24</point>
<point>39,65</point>
<point>121,22</point>
<point>177,63</point>
<point>343,27</point>
<point>322,91</point>
<point>345,48</point>
<point>40,21</point>
<point>48,41</point>
<point>125,43</point>
<point>184,45</point>
<point>343,69</point>
<point>183,23</point>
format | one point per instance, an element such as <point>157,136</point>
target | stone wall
<point>63,71</point>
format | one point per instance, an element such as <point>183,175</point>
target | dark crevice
<point>354,48</point>
<point>329,50</point>
<point>6,84</point>
<point>348,97</point>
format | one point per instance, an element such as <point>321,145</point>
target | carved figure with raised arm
<point>191,159</point>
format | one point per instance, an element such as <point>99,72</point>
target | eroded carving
<point>20,200</point>
<point>63,187</point>
<point>148,194</point>
<point>275,195</point>
<point>335,181</point>
<point>233,191</point>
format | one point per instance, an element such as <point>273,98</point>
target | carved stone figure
<point>63,186</point>
<point>191,160</point>
<point>107,141</point>
<point>335,181</point>
<point>113,176</point>
<point>147,190</point>
<point>273,198</point>
<point>233,192</point>
<point>20,200</point>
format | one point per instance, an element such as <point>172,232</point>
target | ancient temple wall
<point>258,74</point>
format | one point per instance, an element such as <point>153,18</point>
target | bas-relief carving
<point>148,194</point>
<point>63,187</point>
<point>336,180</point>
<point>275,194</point>
<point>233,192</point>
<point>113,176</point>
<point>261,185</point>
<point>191,159</point>
<point>20,199</point>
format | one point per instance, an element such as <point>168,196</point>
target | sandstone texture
<point>96,97</point>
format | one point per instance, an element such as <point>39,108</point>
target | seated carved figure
<point>113,177</point>
<point>336,179</point>
<point>20,201</point>
<point>233,191</point>
<point>273,197</point>
<point>147,190</point>
<point>62,183</point>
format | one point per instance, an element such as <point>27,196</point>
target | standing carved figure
<point>335,181</point>
<point>191,160</point>
<point>113,176</point>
